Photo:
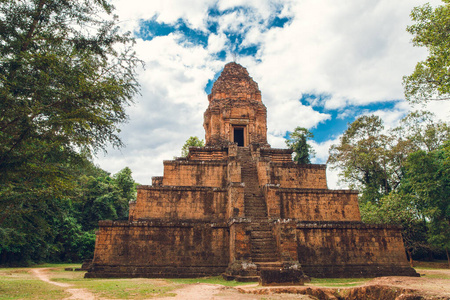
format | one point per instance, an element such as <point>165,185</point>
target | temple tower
<point>235,113</point>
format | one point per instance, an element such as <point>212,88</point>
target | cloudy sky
<point>319,64</point>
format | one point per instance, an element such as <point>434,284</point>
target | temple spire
<point>235,113</point>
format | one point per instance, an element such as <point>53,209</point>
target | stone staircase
<point>264,248</point>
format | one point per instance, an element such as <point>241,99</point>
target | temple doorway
<point>238,135</point>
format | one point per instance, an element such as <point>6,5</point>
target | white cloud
<point>166,11</point>
<point>355,51</point>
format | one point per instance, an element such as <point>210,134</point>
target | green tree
<point>399,208</point>
<point>63,228</point>
<point>104,198</point>
<point>372,159</point>
<point>298,142</point>
<point>431,78</point>
<point>362,157</point>
<point>402,175</point>
<point>192,141</point>
<point>428,180</point>
<point>66,76</point>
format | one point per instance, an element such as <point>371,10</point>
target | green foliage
<point>431,78</point>
<point>298,141</point>
<point>105,198</point>
<point>362,155</point>
<point>372,159</point>
<point>428,180</point>
<point>403,175</point>
<point>398,208</point>
<point>66,77</point>
<point>63,229</point>
<point>192,141</point>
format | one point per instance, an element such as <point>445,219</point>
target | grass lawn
<point>210,280</point>
<point>20,283</point>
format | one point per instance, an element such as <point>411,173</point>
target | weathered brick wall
<point>155,249</point>
<point>157,180</point>
<point>273,200</point>
<point>234,171</point>
<point>207,153</point>
<point>195,173</point>
<point>343,244</point>
<point>172,203</point>
<point>235,205</point>
<point>263,170</point>
<point>350,249</point>
<point>240,244</point>
<point>276,155</point>
<point>291,175</point>
<point>318,205</point>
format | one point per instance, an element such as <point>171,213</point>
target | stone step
<point>259,212</point>
<point>265,254</point>
<point>261,228</point>
<point>270,265</point>
<point>263,248</point>
<point>264,259</point>
<point>270,253</point>
<point>267,240</point>
<point>262,238</point>
<point>257,208</point>
<point>255,215</point>
<point>259,236</point>
<point>256,211</point>
<point>258,233</point>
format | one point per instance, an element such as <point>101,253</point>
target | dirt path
<point>84,294</point>
<point>204,291</point>
<point>431,282</point>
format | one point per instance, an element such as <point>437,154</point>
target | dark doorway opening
<point>239,136</point>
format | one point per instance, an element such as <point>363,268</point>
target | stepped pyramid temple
<point>240,208</point>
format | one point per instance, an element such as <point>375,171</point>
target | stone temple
<point>240,208</point>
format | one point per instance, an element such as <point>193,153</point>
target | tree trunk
<point>411,262</point>
<point>448,258</point>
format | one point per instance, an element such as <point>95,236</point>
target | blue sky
<point>319,64</point>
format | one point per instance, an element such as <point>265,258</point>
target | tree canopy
<point>372,159</point>
<point>51,228</point>
<point>431,77</point>
<point>192,141</point>
<point>67,74</point>
<point>402,175</point>
<point>298,141</point>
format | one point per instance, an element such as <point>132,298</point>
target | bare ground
<point>433,284</point>
<point>42,274</point>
